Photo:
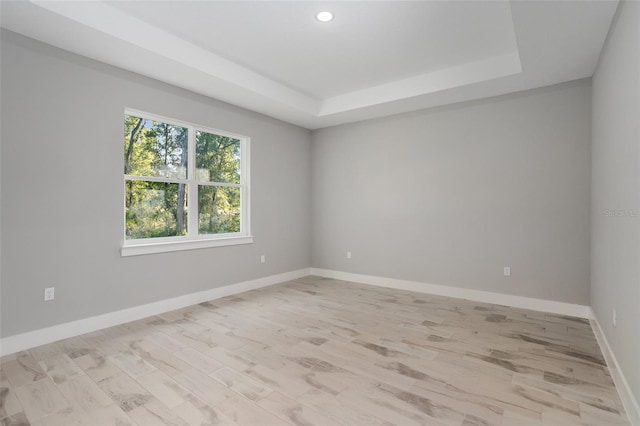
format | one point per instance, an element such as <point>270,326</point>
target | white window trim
<point>135,247</point>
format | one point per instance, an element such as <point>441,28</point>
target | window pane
<point>218,209</point>
<point>155,209</point>
<point>152,148</point>
<point>217,158</point>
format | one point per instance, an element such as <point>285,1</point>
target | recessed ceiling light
<point>324,16</point>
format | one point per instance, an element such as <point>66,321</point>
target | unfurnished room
<point>265,213</point>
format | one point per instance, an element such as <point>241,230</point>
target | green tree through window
<point>218,160</point>
<point>181,180</point>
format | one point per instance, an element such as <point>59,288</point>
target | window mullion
<point>221,184</point>
<point>192,198</point>
<point>245,211</point>
<point>153,179</point>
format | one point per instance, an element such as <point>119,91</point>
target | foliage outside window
<point>183,183</point>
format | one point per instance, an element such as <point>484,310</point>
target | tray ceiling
<point>373,59</point>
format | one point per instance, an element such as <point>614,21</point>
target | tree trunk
<point>213,208</point>
<point>127,160</point>
<point>132,139</point>
<point>182,187</point>
<point>166,143</point>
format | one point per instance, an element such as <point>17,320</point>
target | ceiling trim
<point>461,75</point>
<point>100,16</point>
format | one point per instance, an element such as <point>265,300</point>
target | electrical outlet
<point>263,259</point>
<point>507,271</point>
<point>614,318</point>
<point>49,293</point>
<point>348,255</point>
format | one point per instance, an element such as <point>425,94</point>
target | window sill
<point>164,247</point>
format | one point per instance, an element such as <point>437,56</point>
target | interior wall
<point>452,195</point>
<point>615,229</point>
<point>62,191</point>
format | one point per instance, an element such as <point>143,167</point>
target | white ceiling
<point>375,58</point>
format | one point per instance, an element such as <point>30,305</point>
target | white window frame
<point>193,240</point>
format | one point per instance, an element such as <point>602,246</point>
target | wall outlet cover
<point>49,293</point>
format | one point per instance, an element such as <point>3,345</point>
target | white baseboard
<point>20,342</point>
<point>551,306</point>
<point>630,403</point>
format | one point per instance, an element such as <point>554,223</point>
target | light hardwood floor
<point>322,352</point>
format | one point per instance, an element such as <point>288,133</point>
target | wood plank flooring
<point>322,352</point>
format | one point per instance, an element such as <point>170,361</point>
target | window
<point>185,186</point>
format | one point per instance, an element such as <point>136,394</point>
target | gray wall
<point>62,191</point>
<point>615,227</point>
<point>451,195</point>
